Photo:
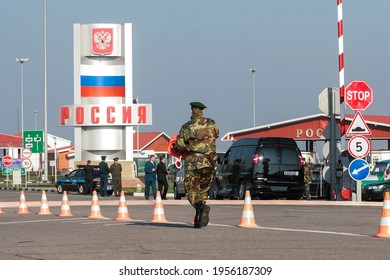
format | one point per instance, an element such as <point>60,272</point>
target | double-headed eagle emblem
<point>102,41</point>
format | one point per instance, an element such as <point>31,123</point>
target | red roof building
<point>156,141</point>
<point>10,141</point>
<point>310,128</point>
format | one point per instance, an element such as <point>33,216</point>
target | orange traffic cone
<point>65,208</point>
<point>384,227</point>
<point>22,204</point>
<point>95,208</point>
<point>159,215</point>
<point>248,217</point>
<point>44,210</point>
<point>123,214</point>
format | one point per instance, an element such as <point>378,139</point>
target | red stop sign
<point>7,160</point>
<point>358,95</point>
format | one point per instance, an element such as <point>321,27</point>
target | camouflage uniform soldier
<point>197,138</point>
<point>308,178</point>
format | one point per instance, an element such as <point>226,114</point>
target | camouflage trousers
<point>307,190</point>
<point>197,184</point>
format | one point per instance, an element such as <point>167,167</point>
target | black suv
<point>74,181</point>
<point>269,167</point>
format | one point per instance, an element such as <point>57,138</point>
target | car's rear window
<point>289,156</point>
<point>270,153</point>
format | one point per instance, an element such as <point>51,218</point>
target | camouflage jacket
<point>198,136</point>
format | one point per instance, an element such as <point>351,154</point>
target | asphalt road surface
<point>288,230</point>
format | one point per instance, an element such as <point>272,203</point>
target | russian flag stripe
<point>102,81</point>
<point>102,70</point>
<point>87,91</point>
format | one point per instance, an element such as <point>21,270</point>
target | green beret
<point>197,105</point>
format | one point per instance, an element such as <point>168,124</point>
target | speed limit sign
<point>26,163</point>
<point>358,146</point>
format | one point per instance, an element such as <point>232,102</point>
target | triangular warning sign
<point>358,126</point>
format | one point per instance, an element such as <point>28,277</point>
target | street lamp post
<point>45,167</point>
<point>35,119</point>
<point>55,159</point>
<point>253,71</point>
<point>21,61</point>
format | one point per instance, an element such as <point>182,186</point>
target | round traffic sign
<point>26,153</point>
<point>358,95</point>
<point>326,174</point>
<point>26,163</point>
<point>359,169</point>
<point>358,146</point>
<point>7,160</point>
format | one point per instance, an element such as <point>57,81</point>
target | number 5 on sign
<point>358,146</point>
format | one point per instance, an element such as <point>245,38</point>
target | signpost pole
<point>7,177</point>
<point>359,191</point>
<point>333,146</point>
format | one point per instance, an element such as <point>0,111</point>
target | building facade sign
<point>106,115</point>
<point>309,133</point>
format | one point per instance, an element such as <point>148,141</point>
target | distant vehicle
<point>379,173</point>
<point>178,184</point>
<point>75,182</point>
<point>375,191</point>
<point>270,167</point>
<point>65,171</point>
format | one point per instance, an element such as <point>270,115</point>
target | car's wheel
<point>241,191</point>
<point>176,195</point>
<point>213,193</point>
<point>59,189</point>
<point>80,189</point>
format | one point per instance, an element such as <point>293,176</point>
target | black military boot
<point>198,215</point>
<point>197,223</point>
<point>204,217</point>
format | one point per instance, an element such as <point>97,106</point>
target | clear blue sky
<point>200,50</point>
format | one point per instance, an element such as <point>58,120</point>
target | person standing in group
<point>197,138</point>
<point>150,176</point>
<point>89,174</point>
<point>308,177</point>
<point>162,173</point>
<point>104,171</point>
<point>116,172</point>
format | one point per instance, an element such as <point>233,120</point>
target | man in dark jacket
<point>162,177</point>
<point>88,177</point>
<point>150,176</point>
<point>104,171</point>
